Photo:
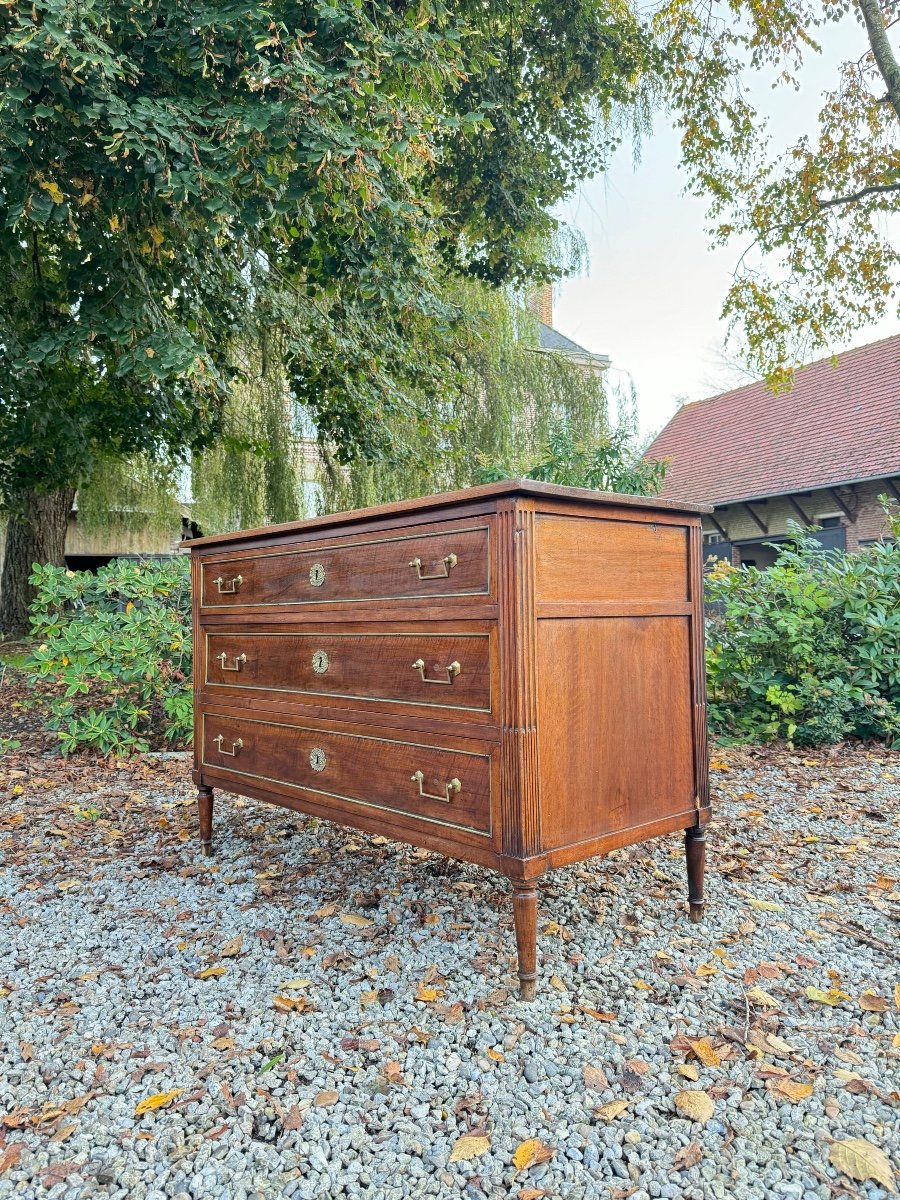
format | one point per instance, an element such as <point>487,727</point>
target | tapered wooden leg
<point>205,814</point>
<point>525,895</point>
<point>695,853</point>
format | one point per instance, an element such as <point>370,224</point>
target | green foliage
<point>512,402</point>
<point>118,645</point>
<point>808,650</point>
<point>608,464</point>
<point>176,178</point>
<point>812,219</point>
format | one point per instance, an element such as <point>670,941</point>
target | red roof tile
<point>840,423</point>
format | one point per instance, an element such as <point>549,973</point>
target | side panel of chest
<point>616,653</point>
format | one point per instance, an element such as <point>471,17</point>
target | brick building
<point>820,454</point>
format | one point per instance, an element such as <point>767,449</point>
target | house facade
<point>820,454</point>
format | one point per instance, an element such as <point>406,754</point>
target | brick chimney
<point>540,301</point>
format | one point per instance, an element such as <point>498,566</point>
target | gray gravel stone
<point>103,991</point>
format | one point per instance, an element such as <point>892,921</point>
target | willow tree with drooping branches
<point>177,177</point>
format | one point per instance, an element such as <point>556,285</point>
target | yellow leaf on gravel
<point>223,1043</point>
<point>897,995</point>
<point>427,994</point>
<point>211,972</point>
<point>766,905</point>
<point>556,982</point>
<point>861,1160</point>
<point>355,919</point>
<point>760,996</point>
<point>695,1105</point>
<point>494,1055</point>
<point>831,997</point>
<point>530,1153</point>
<point>232,947</point>
<point>707,969</point>
<point>704,1050</point>
<point>296,983</point>
<point>160,1100</point>
<point>791,1088</point>
<point>688,1070</point>
<point>469,1146</point>
<point>610,1111</point>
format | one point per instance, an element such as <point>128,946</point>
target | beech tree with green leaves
<point>176,177</point>
<point>821,256</point>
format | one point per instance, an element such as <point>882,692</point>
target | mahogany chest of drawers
<point>511,674</point>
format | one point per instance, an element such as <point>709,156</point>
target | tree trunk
<point>37,535</point>
<point>876,28</point>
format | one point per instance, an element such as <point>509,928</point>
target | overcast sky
<point>653,291</point>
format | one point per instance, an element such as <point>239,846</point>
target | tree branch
<point>860,195</point>
<point>881,48</point>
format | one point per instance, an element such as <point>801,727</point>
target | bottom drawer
<point>447,786</point>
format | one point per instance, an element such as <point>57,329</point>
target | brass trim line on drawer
<point>302,787</point>
<point>318,548</point>
<point>259,687</point>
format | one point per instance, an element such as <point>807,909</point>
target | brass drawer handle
<point>235,746</point>
<point>453,669</point>
<point>231,587</point>
<point>450,789</point>
<point>449,561</point>
<point>239,661</point>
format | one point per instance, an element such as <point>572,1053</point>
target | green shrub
<point>808,650</point>
<point>119,643</point>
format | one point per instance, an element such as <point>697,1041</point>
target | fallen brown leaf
<point>688,1156</point>
<point>695,1105</point>
<point>469,1146</point>
<point>614,1109</point>
<point>861,1160</point>
<point>595,1078</point>
<point>531,1152</point>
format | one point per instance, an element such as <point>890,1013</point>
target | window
<point>712,539</point>
<point>828,520</point>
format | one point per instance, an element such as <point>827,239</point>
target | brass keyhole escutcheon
<point>320,662</point>
<point>317,759</point>
<point>317,574</point>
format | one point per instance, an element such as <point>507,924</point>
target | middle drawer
<point>450,669</point>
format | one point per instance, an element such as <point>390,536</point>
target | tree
<point>175,178</point>
<point>818,210</point>
<point>518,411</point>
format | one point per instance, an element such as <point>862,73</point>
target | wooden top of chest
<point>484,496</point>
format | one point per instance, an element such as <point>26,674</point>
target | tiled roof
<point>840,423</point>
<point>551,339</point>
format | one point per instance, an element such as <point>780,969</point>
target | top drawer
<point>444,561</point>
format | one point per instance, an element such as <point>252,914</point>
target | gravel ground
<point>130,968</point>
